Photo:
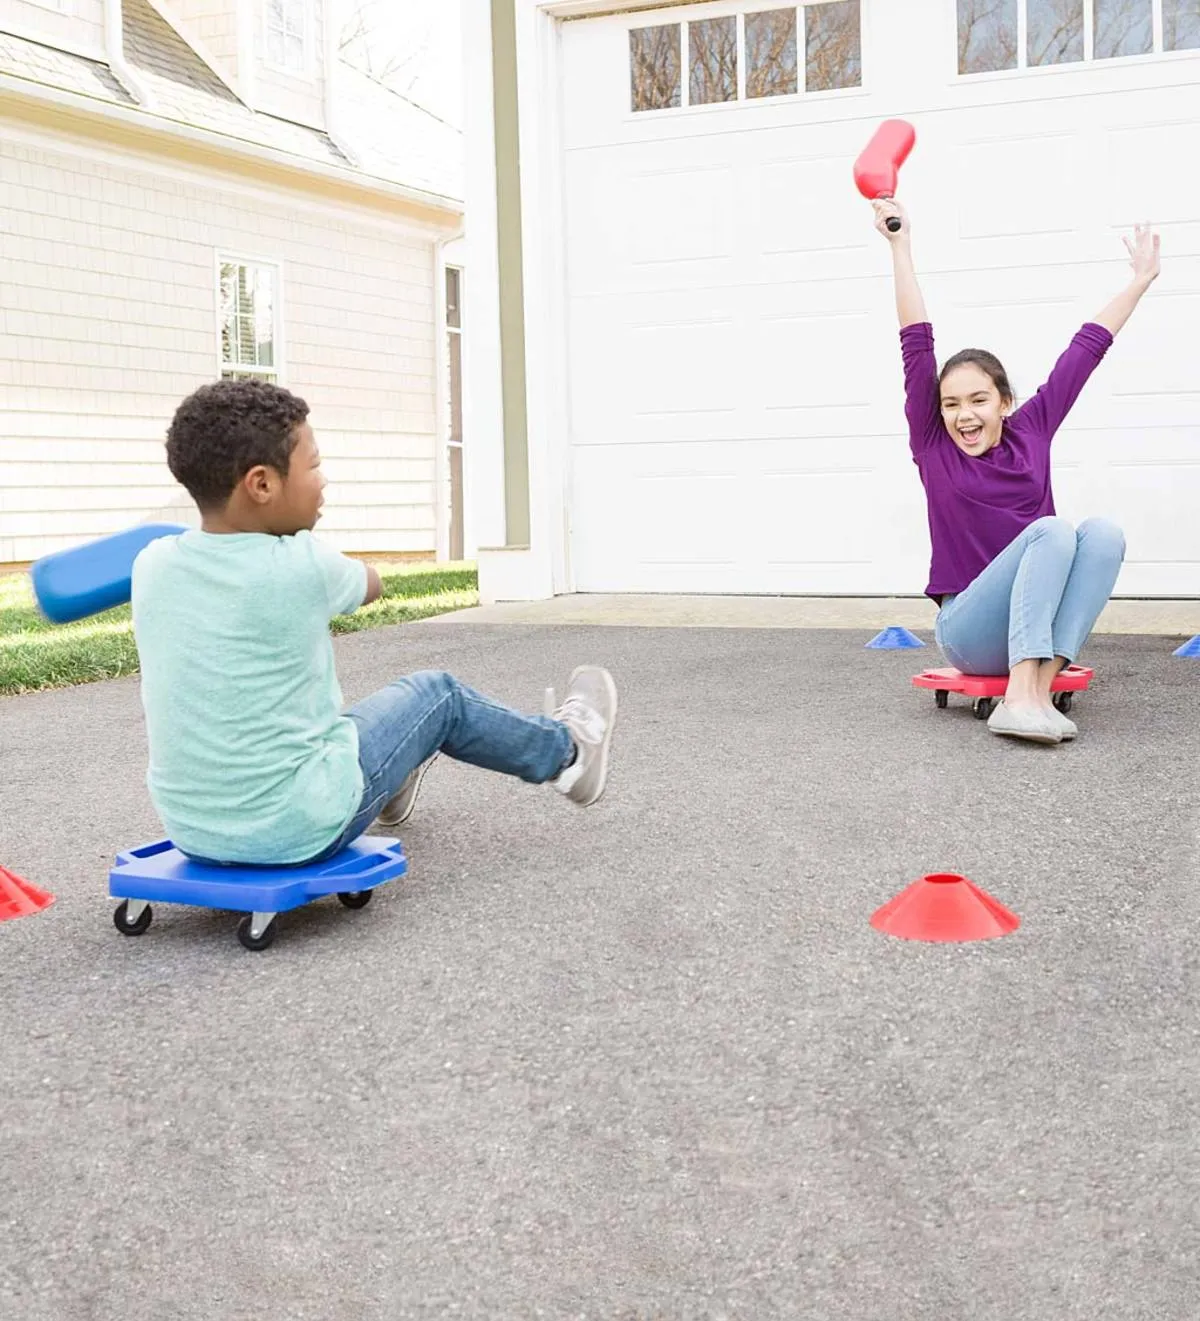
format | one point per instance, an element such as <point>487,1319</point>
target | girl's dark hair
<point>986,362</point>
<point>224,429</point>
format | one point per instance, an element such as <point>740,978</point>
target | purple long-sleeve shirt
<point>978,506</point>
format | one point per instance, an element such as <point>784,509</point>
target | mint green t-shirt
<point>251,757</point>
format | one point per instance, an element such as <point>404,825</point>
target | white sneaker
<point>589,711</point>
<point>399,807</point>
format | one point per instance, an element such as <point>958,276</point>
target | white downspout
<point>114,47</point>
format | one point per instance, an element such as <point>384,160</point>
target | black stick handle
<point>893,224</point>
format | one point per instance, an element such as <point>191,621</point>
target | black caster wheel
<point>356,898</point>
<point>127,928</point>
<point>982,708</point>
<point>942,698</point>
<point>262,940</point>
<point>1063,701</point>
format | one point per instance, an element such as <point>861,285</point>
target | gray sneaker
<point>589,711</point>
<point>1034,725</point>
<point>399,807</point>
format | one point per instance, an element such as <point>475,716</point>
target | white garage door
<point>735,387</point>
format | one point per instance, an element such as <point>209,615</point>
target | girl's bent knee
<point>1052,526</point>
<point>1102,533</point>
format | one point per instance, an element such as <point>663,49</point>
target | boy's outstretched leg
<point>589,712</point>
<point>403,727</point>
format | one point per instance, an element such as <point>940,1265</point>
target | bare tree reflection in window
<point>654,59</point>
<point>1122,27</point>
<point>1181,24</point>
<point>713,49</point>
<point>1055,32</point>
<point>771,63</point>
<point>987,35</point>
<point>832,46</point>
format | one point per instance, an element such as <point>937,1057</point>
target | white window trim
<point>56,6</point>
<point>1025,71</point>
<point>742,102</point>
<point>223,257</point>
<point>310,61</point>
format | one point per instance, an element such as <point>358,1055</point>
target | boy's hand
<point>374,585</point>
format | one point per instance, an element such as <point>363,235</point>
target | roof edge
<point>163,132</point>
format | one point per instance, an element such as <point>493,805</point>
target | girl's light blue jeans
<point>1039,598</point>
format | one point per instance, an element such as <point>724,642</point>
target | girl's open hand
<point>1143,254</point>
<point>884,208</point>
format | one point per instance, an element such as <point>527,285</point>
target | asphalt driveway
<point>645,1060</point>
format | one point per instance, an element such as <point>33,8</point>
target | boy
<point>252,759</point>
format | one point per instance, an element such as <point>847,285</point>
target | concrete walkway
<point>1160,618</point>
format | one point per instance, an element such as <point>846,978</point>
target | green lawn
<point>35,654</point>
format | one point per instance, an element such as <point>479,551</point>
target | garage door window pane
<point>713,48</point>
<point>1181,24</point>
<point>833,46</point>
<point>654,58</point>
<point>771,67</point>
<point>1055,32</point>
<point>987,35</point>
<point>1122,27</point>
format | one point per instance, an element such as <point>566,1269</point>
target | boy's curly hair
<point>224,429</point>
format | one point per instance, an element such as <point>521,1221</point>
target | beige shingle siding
<point>215,24</point>
<point>109,318</point>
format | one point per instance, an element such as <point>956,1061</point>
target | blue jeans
<point>1039,598</point>
<point>403,725</point>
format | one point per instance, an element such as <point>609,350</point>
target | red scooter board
<point>877,169</point>
<point>984,688</point>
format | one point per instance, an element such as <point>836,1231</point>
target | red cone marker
<point>946,907</point>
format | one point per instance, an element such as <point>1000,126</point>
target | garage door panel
<point>1054,173</point>
<point>1139,187</point>
<point>806,207</point>
<point>792,362</point>
<point>681,215</point>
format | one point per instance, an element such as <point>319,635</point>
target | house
<point>200,188</point>
<point>684,369</point>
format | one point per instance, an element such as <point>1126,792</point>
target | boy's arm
<point>374,585</point>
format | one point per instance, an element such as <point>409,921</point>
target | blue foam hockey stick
<point>72,584</point>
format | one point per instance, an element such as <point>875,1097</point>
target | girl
<point>1018,589</point>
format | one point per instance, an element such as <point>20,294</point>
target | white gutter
<point>114,46</point>
<point>160,127</point>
